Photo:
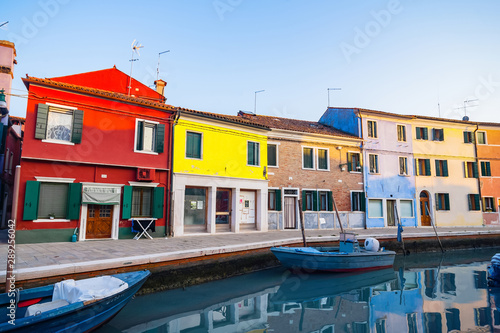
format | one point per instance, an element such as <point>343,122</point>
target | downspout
<point>170,232</point>
<point>364,170</point>
<point>478,173</point>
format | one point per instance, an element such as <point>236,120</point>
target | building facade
<point>219,174</point>
<point>96,158</point>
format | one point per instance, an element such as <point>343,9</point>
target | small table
<point>141,227</point>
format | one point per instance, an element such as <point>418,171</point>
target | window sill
<point>193,158</point>
<point>60,142</point>
<point>142,218</point>
<point>255,166</point>
<point>354,171</point>
<point>404,175</point>
<point>145,152</point>
<point>51,220</point>
<point>273,166</point>
<point>374,173</point>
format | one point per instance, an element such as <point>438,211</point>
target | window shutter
<point>362,200</point>
<point>250,153</point>
<point>438,171</point>
<point>375,130</point>
<point>446,201</point>
<point>31,200</point>
<point>140,136</point>
<point>304,206</point>
<point>349,162</point>
<point>441,138</point>
<point>469,201</point>
<point>476,201</point>
<point>488,169</point>
<point>437,201</point>
<point>466,137</point>
<point>418,133</point>
<point>466,173</point>
<point>417,171</point>
<point>127,202</point>
<point>277,198</point>
<point>426,133</point>
<point>158,202</point>
<point>475,172</point>
<point>76,135</point>
<point>427,167</point>
<point>74,201</point>
<point>41,121</point>
<point>445,168</point>
<point>315,200</point>
<point>160,138</point>
<point>330,201</point>
<point>483,169</point>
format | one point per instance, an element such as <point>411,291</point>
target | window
<point>317,200</point>
<point>358,201</point>
<point>441,168</point>
<point>372,129</point>
<point>489,204</point>
<point>422,133</point>
<point>323,200</point>
<point>423,167</point>
<point>195,206</point>
<point>322,159</point>
<point>309,200</point>
<point>353,162</point>
<point>442,201</point>
<point>470,169</point>
<point>56,200</point>
<point>403,166</point>
<point>58,124</point>
<point>468,137</point>
<point>253,153</point>
<point>373,163</point>
<point>437,134</point>
<point>474,202</point>
<point>406,207</point>
<point>143,201</point>
<point>274,200</point>
<point>485,169</point>
<point>375,208</point>
<point>150,137</point>
<point>272,155</point>
<point>402,133</point>
<point>308,158</point>
<point>193,145</point>
<point>481,138</point>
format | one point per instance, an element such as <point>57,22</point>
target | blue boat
<point>348,257</point>
<point>69,306</point>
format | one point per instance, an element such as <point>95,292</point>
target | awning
<point>101,195</point>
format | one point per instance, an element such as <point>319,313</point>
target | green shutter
<point>250,153</point>
<point>438,171</point>
<point>483,169</point>
<point>315,201</point>
<point>445,168</point>
<point>469,200</point>
<point>31,200</point>
<point>74,201</point>
<point>160,138</point>
<point>426,133</point>
<point>437,201</point>
<point>418,133</point>
<point>127,202</point>
<point>140,136</point>
<point>446,201</point>
<point>442,135</point>
<point>488,169</point>
<point>158,202</point>
<point>427,167</point>
<point>362,201</point>
<point>304,206</point>
<point>476,201</point>
<point>349,162</point>
<point>41,121</point>
<point>76,135</point>
<point>330,201</point>
<point>475,170</point>
<point>277,198</point>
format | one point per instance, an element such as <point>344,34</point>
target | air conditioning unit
<point>145,174</point>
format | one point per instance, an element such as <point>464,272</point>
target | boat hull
<point>292,258</point>
<point>80,316</point>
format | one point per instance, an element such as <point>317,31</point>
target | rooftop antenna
<point>465,107</point>
<point>328,90</point>
<point>158,67</point>
<point>135,49</point>
<point>4,23</point>
<point>255,104</point>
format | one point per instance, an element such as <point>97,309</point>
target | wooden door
<point>289,210</point>
<point>425,219</point>
<point>223,209</point>
<point>391,216</point>
<point>99,221</point>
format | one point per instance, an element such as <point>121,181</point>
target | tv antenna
<point>328,90</point>
<point>158,67</point>
<point>136,46</point>
<point>4,23</point>
<point>465,107</point>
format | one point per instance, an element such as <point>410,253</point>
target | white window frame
<point>313,158</point>
<point>277,144</point>
<point>406,166</point>
<point>316,152</point>
<point>350,199</point>
<point>61,142</point>
<point>412,208</point>
<point>319,199</point>
<point>156,123</point>
<point>405,131</point>
<point>201,146</point>
<point>53,180</point>
<point>376,129</point>
<point>377,172</point>
<point>258,155</point>
<point>350,161</point>
<point>485,138</point>
<point>368,208</point>
<point>493,202</point>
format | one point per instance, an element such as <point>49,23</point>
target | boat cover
<point>88,289</point>
<point>307,250</point>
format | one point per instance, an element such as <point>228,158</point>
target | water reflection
<point>427,293</point>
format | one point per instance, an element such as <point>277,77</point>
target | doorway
<point>223,210</point>
<point>99,221</point>
<point>425,219</point>
<point>247,210</point>
<point>391,216</point>
<point>290,217</point>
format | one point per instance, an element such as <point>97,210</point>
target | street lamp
<point>255,104</point>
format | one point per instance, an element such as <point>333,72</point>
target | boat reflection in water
<point>432,294</point>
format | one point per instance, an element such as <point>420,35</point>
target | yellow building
<point>219,174</point>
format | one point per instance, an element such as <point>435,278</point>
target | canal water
<point>427,292</point>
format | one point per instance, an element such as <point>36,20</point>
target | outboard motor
<point>371,244</point>
<point>494,271</point>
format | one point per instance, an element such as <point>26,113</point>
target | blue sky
<point>402,56</point>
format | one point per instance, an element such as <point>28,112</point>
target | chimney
<point>160,87</point>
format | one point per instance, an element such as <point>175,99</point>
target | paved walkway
<point>53,259</point>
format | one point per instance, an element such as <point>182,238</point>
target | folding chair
<point>141,227</point>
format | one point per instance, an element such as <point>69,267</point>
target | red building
<point>96,157</point>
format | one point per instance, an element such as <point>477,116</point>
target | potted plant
<point>52,216</point>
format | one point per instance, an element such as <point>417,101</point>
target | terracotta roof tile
<point>223,117</point>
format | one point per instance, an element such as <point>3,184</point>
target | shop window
<point>195,205</point>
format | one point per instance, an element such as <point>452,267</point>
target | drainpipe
<point>170,209</point>
<point>364,163</point>
<point>478,173</point>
